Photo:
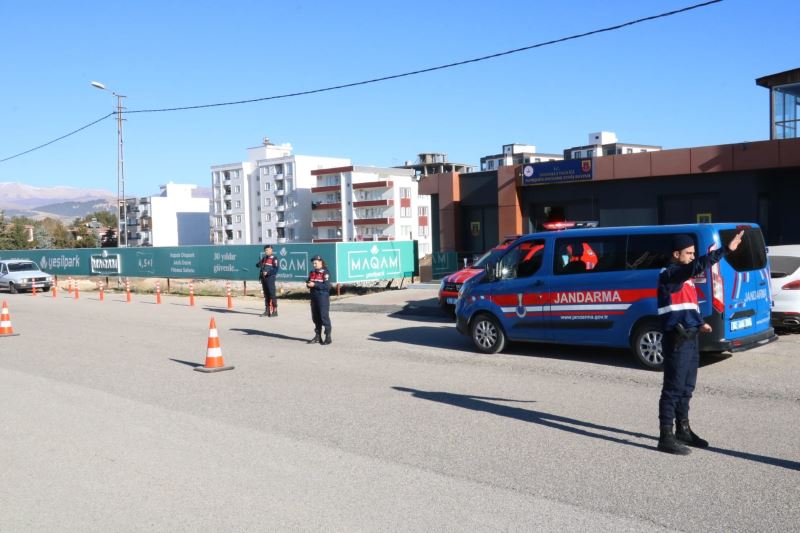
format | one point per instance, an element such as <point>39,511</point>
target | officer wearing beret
<point>681,323</point>
<point>268,269</point>
<point>319,284</point>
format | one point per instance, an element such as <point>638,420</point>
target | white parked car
<point>784,264</point>
<point>21,275</point>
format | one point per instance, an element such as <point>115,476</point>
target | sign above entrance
<point>557,172</point>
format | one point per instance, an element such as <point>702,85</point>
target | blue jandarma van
<point>597,287</point>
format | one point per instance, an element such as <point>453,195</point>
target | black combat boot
<point>275,312</point>
<point>684,434</point>
<point>328,339</point>
<point>265,313</point>
<point>668,444</point>
<point>316,340</point>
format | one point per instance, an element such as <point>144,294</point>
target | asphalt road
<point>397,426</point>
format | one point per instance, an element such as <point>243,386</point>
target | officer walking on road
<point>268,269</point>
<point>319,284</point>
<point>681,323</point>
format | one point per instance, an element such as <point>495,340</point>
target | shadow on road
<point>481,403</point>
<point>187,363</point>
<point>448,338</point>
<point>269,334</point>
<point>571,425</point>
<point>231,311</point>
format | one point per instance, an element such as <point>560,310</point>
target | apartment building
<point>605,143</point>
<point>354,203</point>
<point>266,199</point>
<point>177,216</point>
<point>516,154</point>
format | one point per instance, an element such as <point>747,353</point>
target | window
<point>522,261</point>
<point>267,186</point>
<point>267,201</point>
<point>589,153</point>
<point>423,231</point>
<point>649,251</point>
<point>237,189</point>
<point>750,255</point>
<point>239,234</point>
<point>238,218</point>
<point>628,150</point>
<point>238,203</point>
<point>405,211</point>
<point>592,254</point>
<point>289,169</point>
<point>423,211</point>
<point>268,217</point>
<point>576,154</point>
<point>269,233</point>
<point>291,233</point>
<point>405,192</point>
<point>405,231</point>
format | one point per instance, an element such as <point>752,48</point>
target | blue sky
<point>687,80</point>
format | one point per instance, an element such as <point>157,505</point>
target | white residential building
<point>266,199</point>
<point>175,217</point>
<point>516,154</point>
<point>602,143</point>
<point>355,203</point>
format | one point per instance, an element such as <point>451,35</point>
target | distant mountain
<point>21,197</point>
<point>66,211</point>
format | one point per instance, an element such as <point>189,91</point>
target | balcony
<point>280,208</point>
<point>229,226</point>
<point>280,224</point>
<point>228,211</point>
<point>280,192</point>
<point>326,223</point>
<point>382,184</point>
<point>373,203</point>
<point>226,180</point>
<point>323,205</point>
<point>387,221</point>
<point>226,197</point>
<point>281,240</point>
<point>326,188</point>
<point>278,177</point>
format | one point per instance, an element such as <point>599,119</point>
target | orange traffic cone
<point>33,288</point>
<point>102,294</point>
<point>55,288</point>
<point>158,292</point>
<point>69,287</point>
<point>214,361</point>
<point>5,323</point>
<point>228,290</point>
<point>127,290</point>
<point>191,294</point>
<point>77,292</point>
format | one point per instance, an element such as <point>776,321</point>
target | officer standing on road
<point>268,269</point>
<point>681,322</point>
<point>319,284</point>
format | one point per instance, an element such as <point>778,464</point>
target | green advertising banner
<point>347,262</point>
<point>365,261</point>
<point>444,263</point>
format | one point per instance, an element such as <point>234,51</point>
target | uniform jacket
<point>677,296</point>
<point>268,266</point>
<point>321,279</point>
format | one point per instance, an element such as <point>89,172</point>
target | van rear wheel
<point>646,345</point>
<point>487,335</point>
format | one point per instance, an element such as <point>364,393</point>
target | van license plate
<point>451,301</point>
<point>743,323</point>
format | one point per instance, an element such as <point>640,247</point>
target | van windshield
<point>751,253</point>
<point>489,257</point>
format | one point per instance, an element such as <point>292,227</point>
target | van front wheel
<point>487,335</point>
<point>647,347</point>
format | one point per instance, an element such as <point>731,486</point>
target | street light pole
<point>122,218</point>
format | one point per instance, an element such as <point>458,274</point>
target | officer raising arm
<point>681,322</point>
<point>319,284</point>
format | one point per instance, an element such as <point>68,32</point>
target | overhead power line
<point>384,78</point>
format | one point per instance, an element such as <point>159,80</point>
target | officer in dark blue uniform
<point>319,284</point>
<point>268,269</point>
<point>681,323</point>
